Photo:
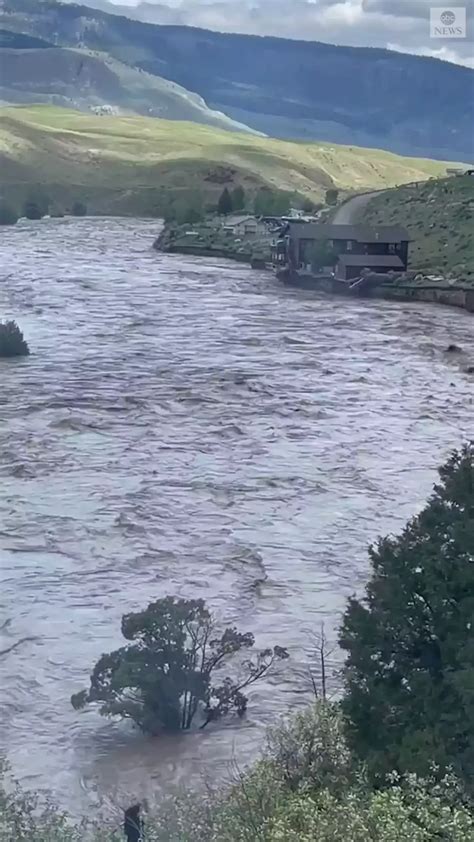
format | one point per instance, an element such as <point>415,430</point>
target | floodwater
<point>187,426</point>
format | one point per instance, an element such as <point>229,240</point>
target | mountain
<point>137,165</point>
<point>35,71</point>
<point>369,97</point>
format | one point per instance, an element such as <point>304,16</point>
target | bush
<point>12,343</point>
<point>410,669</point>
<point>8,215</point>
<point>79,209</point>
<point>163,679</point>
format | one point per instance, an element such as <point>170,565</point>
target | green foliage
<point>270,202</point>
<point>163,679</point>
<point>309,788</point>
<point>306,788</point>
<point>332,196</point>
<point>322,254</point>
<point>79,209</point>
<point>225,205</point>
<point>238,198</point>
<point>8,215</point>
<point>186,210</point>
<point>410,641</point>
<point>12,342</point>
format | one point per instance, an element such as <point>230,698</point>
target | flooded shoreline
<point>187,426</point>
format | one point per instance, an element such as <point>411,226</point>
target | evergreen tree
<point>238,198</point>
<point>224,205</point>
<point>410,642</point>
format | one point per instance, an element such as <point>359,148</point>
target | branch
<point>16,645</point>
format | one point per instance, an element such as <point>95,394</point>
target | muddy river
<point>188,426</point>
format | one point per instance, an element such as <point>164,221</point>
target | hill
<point>132,164</point>
<point>35,71</point>
<point>439,216</point>
<point>371,97</point>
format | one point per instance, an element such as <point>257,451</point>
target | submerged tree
<point>410,641</point>
<point>12,342</point>
<point>163,679</point>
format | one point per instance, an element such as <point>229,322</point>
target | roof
<point>391,261</point>
<point>238,220</point>
<point>360,233</point>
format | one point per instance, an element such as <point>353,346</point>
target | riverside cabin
<point>350,249</point>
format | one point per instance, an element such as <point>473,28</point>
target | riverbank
<point>417,289</point>
<point>232,238</point>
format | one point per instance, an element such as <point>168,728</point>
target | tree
<point>332,196</point>
<point>79,209</point>
<point>224,205</point>
<point>238,198</point>
<point>37,204</point>
<point>410,642</point>
<point>8,215</point>
<point>12,342</point>
<point>270,202</point>
<point>163,679</point>
<point>322,254</point>
<point>32,210</point>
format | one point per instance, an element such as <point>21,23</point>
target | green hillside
<point>132,164</point>
<point>86,80</point>
<point>439,216</point>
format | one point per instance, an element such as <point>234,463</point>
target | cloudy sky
<point>397,24</point>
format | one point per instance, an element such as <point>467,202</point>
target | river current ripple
<point>188,426</point>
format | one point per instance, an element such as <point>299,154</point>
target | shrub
<point>8,215</point>
<point>163,679</point>
<point>12,342</point>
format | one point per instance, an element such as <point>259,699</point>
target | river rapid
<point>188,426</point>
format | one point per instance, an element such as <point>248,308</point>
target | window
<point>391,248</point>
<point>349,245</point>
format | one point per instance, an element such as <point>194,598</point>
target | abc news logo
<point>448,22</point>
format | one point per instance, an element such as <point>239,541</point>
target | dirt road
<point>349,213</point>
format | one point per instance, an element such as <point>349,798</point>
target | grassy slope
<point>439,216</point>
<point>94,156</point>
<point>81,78</point>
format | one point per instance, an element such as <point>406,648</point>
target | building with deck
<point>349,248</point>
